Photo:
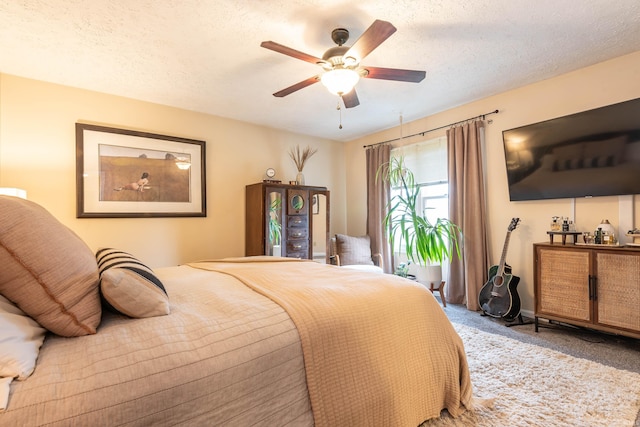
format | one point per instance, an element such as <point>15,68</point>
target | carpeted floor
<point>525,375</point>
<point>612,350</point>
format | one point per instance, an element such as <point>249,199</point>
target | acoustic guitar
<point>499,297</point>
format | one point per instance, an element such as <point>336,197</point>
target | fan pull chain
<point>340,111</point>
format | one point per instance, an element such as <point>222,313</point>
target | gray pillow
<point>353,250</point>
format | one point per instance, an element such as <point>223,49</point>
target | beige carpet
<point>535,386</point>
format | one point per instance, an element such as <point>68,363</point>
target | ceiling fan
<point>341,64</point>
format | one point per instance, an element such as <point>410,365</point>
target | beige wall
<point>37,153</point>
<point>599,85</point>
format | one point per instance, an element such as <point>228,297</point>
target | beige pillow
<point>354,250</point>
<point>129,287</point>
<point>47,270</point>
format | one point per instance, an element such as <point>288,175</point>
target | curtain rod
<point>431,130</point>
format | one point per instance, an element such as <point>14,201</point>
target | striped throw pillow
<point>128,286</point>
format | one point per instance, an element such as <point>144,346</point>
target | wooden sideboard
<point>593,286</point>
<point>287,220</point>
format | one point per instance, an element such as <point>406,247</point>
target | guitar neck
<point>503,257</point>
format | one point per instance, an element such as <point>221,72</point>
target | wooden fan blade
<point>297,86</point>
<point>277,47</point>
<point>351,99</point>
<point>412,76</point>
<point>373,36</point>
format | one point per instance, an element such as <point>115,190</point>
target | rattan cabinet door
<point>563,284</point>
<point>618,290</point>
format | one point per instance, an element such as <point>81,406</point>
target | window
<point>428,162</point>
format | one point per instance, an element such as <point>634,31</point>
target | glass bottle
<point>598,239</point>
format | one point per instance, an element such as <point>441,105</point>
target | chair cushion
<point>354,250</point>
<point>47,270</point>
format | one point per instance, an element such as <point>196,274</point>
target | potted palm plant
<point>426,244</point>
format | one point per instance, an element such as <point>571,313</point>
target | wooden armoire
<point>287,220</point>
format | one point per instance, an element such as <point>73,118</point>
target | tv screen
<point>592,153</point>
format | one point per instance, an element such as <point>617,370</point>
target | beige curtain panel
<point>467,208</point>
<point>377,198</point>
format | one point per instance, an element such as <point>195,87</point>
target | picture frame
<point>315,205</point>
<point>123,173</point>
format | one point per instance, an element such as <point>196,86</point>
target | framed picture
<point>128,174</point>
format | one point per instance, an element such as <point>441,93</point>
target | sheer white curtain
<point>427,159</point>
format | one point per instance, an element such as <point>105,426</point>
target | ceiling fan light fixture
<point>340,81</point>
<point>349,61</point>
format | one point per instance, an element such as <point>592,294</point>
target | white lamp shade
<point>340,81</point>
<point>15,192</point>
<point>183,163</point>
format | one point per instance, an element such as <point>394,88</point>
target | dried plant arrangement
<point>300,157</point>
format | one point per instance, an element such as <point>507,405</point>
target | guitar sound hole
<point>498,281</point>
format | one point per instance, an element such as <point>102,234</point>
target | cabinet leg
<point>535,323</point>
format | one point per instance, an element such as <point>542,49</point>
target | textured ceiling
<point>206,56</point>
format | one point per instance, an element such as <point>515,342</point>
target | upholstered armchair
<point>355,253</point>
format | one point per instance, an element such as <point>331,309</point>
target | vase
<point>277,250</point>
<point>427,274</point>
<point>300,178</point>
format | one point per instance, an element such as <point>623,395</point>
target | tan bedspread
<point>378,349</point>
<point>225,356</point>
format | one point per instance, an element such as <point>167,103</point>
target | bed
<point>239,341</point>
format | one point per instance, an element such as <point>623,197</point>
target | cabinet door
<point>274,201</point>
<point>618,290</point>
<point>563,284</point>
<point>319,225</point>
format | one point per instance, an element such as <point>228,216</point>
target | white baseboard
<point>527,313</point>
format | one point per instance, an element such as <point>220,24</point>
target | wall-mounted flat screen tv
<point>588,154</point>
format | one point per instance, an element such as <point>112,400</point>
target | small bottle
<point>598,239</point>
<point>572,226</point>
<point>565,224</point>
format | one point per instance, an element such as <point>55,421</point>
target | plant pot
<point>427,274</point>
<point>300,178</point>
<point>277,250</point>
